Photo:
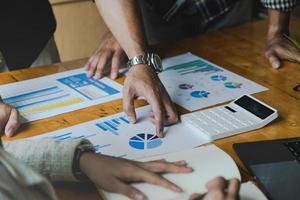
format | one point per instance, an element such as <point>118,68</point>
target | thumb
<point>13,123</point>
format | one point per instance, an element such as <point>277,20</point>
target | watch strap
<point>81,148</point>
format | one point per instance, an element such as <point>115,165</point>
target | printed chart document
<point>58,93</point>
<point>208,162</point>
<point>115,136</point>
<point>195,83</point>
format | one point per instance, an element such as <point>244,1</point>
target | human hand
<point>9,120</point>
<point>109,55</point>
<point>220,189</point>
<point>143,82</point>
<point>115,174</point>
<point>280,48</point>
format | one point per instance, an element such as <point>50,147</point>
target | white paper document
<point>207,162</point>
<point>59,93</point>
<point>115,136</point>
<point>195,83</point>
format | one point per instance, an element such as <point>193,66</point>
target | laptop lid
<point>275,167</point>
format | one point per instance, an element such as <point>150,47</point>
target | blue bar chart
<point>99,147</point>
<point>111,126</point>
<point>71,136</point>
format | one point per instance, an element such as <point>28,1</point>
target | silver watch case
<point>150,59</point>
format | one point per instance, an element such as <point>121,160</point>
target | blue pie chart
<point>200,94</point>
<point>145,141</point>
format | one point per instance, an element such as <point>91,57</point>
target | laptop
<point>275,164</point>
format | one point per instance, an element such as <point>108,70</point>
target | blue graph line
<point>31,95</point>
<point>69,136</point>
<point>63,135</point>
<point>125,120</point>
<point>42,101</point>
<point>64,138</point>
<point>115,121</point>
<point>101,127</point>
<point>98,147</point>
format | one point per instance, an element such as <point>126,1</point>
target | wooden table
<point>238,49</point>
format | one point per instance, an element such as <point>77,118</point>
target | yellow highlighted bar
<point>52,106</point>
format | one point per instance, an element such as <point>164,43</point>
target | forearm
<point>278,23</point>
<point>51,158</point>
<point>124,21</point>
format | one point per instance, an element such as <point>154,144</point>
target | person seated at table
<point>76,161</point>
<point>167,20</point>
<point>26,37</point>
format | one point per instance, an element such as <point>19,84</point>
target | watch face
<point>157,63</point>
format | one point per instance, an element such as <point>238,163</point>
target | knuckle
<point>277,48</point>
<point>267,53</point>
<point>127,168</point>
<point>220,178</point>
<point>157,179</point>
<point>93,66</point>
<point>235,180</point>
<point>173,118</point>
<point>219,194</point>
<point>131,193</point>
<point>158,113</point>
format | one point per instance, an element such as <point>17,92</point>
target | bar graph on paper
<point>116,136</point>
<point>196,66</point>
<point>111,126</point>
<point>42,100</point>
<point>58,93</point>
<point>73,136</point>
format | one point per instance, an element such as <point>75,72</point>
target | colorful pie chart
<point>232,85</point>
<point>145,141</point>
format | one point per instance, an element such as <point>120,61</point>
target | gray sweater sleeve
<point>53,159</point>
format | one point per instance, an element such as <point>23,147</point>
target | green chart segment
<point>196,66</point>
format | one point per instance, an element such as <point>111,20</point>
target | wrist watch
<point>81,148</point>
<point>150,59</point>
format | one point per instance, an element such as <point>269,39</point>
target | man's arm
<point>279,18</point>
<point>124,21</point>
